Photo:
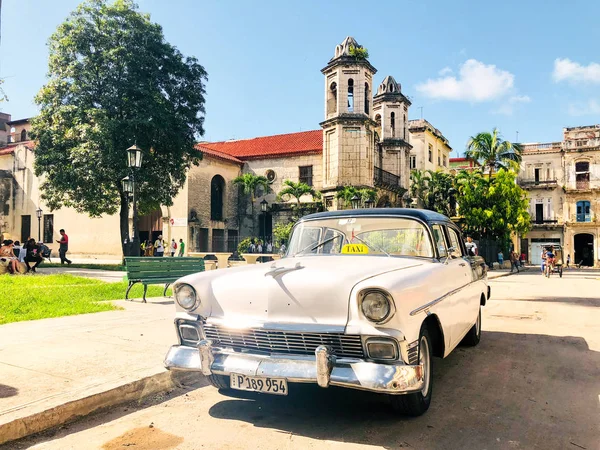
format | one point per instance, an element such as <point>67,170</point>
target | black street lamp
<point>369,203</point>
<point>263,208</point>
<point>38,213</point>
<point>355,202</point>
<point>134,161</point>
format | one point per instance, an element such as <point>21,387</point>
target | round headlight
<point>185,295</point>
<point>376,306</point>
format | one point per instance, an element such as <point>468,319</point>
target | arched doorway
<point>584,249</point>
<point>217,194</point>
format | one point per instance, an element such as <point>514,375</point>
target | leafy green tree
<point>419,180</point>
<point>493,208</point>
<point>493,152</point>
<point>348,192</point>
<point>295,190</point>
<point>114,81</point>
<point>282,232</point>
<point>249,183</point>
<point>441,193</point>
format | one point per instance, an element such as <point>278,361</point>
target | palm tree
<point>348,192</point>
<point>249,184</point>
<point>297,190</point>
<point>493,152</point>
<point>441,193</point>
<point>419,180</point>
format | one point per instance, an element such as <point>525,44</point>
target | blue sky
<point>531,67</point>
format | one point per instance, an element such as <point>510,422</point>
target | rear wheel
<point>219,381</point>
<point>417,403</point>
<point>473,337</point>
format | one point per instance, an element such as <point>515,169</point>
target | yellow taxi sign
<point>355,249</point>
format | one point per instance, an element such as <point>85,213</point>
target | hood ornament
<point>282,270</point>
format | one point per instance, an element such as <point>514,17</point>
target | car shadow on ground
<point>512,391</point>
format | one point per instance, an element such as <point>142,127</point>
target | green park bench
<point>165,270</point>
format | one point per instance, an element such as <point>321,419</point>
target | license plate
<point>276,386</point>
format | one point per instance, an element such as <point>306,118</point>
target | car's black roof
<point>423,214</point>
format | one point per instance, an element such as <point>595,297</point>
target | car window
<point>455,242</point>
<point>440,240</point>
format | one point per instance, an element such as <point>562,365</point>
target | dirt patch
<point>144,438</point>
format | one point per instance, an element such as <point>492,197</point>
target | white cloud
<point>476,82</point>
<point>445,71</point>
<point>567,70</point>
<point>508,107</point>
<point>592,107</point>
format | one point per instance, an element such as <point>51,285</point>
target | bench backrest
<point>162,268</point>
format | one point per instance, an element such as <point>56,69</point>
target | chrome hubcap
<point>425,361</point>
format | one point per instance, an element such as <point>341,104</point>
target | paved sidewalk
<point>51,362</point>
<point>110,276</point>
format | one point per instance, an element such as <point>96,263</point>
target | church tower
<point>390,111</point>
<point>348,128</point>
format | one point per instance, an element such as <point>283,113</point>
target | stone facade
<point>563,183</point>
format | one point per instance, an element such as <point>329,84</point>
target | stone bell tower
<point>348,128</point>
<point>390,111</point>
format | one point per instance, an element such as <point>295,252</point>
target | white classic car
<point>363,299</point>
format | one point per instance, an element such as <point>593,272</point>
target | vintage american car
<point>363,299</point>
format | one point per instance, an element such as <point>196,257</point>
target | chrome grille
<point>296,343</point>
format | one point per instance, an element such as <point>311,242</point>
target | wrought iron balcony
<point>546,222</point>
<point>385,179</point>
<point>538,184</point>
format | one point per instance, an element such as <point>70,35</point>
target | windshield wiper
<point>314,247</point>
<point>371,246</point>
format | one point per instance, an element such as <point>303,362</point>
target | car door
<point>466,302</point>
<point>450,279</point>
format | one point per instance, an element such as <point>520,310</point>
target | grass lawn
<point>26,297</point>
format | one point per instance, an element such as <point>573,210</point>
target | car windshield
<point>363,235</point>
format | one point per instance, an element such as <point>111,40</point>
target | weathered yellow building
<point>430,149</point>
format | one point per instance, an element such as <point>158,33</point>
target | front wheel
<point>417,403</point>
<point>221,382</point>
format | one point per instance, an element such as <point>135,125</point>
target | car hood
<point>309,290</point>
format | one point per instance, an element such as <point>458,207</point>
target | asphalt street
<point>532,383</point>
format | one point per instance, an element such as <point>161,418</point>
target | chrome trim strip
<point>437,300</point>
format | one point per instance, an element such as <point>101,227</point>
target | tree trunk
<point>124,223</point>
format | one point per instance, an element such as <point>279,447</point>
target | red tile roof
<point>210,152</point>
<point>10,148</point>
<point>291,144</point>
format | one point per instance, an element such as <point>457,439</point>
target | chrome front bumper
<point>323,369</point>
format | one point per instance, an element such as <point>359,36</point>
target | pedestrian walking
<point>543,265</point>
<point>269,247</point>
<point>514,262</point>
<point>568,260</point>
<point>500,258</point>
<point>159,248</point>
<point>63,247</point>
<point>181,247</point>
<point>173,247</point>
<point>523,258</point>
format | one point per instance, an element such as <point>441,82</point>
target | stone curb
<point>66,412</point>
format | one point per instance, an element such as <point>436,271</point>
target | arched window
<point>332,98</point>
<point>23,135</point>
<point>583,211</point>
<point>217,195</point>
<point>393,124</point>
<point>367,95</point>
<point>350,95</point>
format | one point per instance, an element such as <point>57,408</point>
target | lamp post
<point>355,201</point>
<point>39,213</point>
<point>263,208</point>
<point>134,161</point>
<point>369,203</point>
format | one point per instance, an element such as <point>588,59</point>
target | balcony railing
<point>528,183</point>
<point>544,146</point>
<point>385,179</point>
<point>582,185</point>
<point>542,221</point>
